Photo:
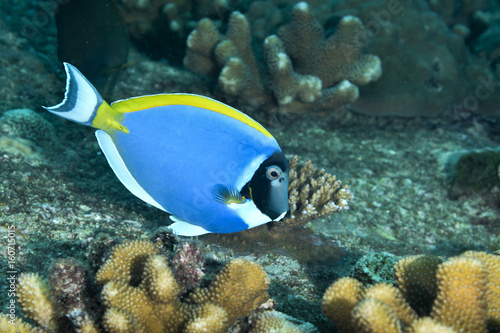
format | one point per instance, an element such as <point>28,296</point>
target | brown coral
<point>151,303</point>
<point>334,59</point>
<point>141,294</point>
<point>314,193</point>
<point>463,298</point>
<point>294,84</point>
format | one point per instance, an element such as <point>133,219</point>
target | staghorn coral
<point>152,304</point>
<point>463,293</point>
<point>294,84</point>
<point>314,193</point>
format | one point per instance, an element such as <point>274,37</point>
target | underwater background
<point>399,99</point>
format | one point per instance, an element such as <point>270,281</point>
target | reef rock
<point>428,69</point>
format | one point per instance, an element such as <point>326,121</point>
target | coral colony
<point>324,74</point>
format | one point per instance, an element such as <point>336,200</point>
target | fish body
<point>210,166</point>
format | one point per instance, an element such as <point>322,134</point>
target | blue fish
<point>209,165</point>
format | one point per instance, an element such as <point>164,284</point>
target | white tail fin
<point>81,99</point>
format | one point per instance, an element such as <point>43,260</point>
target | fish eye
<point>273,173</point>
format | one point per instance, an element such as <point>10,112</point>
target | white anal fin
<point>121,171</point>
<point>182,228</point>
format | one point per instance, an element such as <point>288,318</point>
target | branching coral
<point>314,193</point>
<point>16,326</point>
<point>334,59</point>
<point>51,305</point>
<point>35,299</point>
<point>302,67</point>
<point>141,293</point>
<point>463,291</point>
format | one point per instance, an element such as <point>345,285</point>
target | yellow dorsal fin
<point>150,101</point>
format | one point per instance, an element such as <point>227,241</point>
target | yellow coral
<point>125,261</point>
<point>461,301</point>
<point>118,295</point>
<point>416,278</point>
<point>154,305</point>
<point>159,280</point>
<point>339,300</point>
<point>34,297</point>
<point>118,321</point>
<point>207,317</point>
<point>391,296</point>
<point>239,288</point>
<point>40,302</point>
<point>492,264</point>
<point>462,291</point>
<point>428,325</point>
<point>16,325</point>
<point>373,316</point>
<point>277,322</point>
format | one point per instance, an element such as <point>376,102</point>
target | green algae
<point>375,268</point>
<point>478,171</point>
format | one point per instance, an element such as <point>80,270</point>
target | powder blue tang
<point>212,167</point>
